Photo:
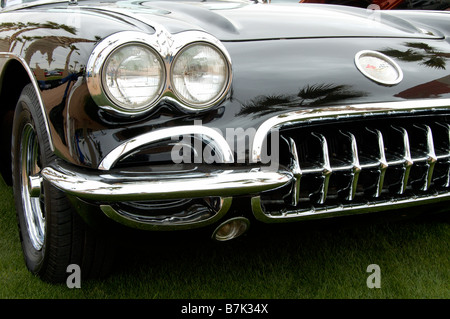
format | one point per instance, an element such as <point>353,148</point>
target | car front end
<point>340,141</point>
<point>219,114</point>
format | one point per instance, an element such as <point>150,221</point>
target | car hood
<point>245,20</point>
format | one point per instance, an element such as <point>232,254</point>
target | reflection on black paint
<point>433,89</point>
<point>420,52</point>
<point>31,44</point>
<point>26,40</point>
<point>310,95</point>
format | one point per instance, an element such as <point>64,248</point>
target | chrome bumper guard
<point>111,187</point>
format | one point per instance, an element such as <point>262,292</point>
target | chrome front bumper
<point>131,186</point>
<point>110,188</point>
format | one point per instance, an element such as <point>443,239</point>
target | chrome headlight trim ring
<point>151,101</point>
<point>101,53</point>
<point>167,46</point>
<point>223,91</point>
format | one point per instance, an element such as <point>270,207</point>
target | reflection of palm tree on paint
<point>310,95</point>
<point>30,26</point>
<point>420,52</point>
<point>73,48</point>
<point>47,45</point>
<point>44,44</point>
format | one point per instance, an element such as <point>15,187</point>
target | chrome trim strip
<point>9,57</point>
<point>144,223</point>
<point>222,149</point>
<point>118,187</point>
<point>337,112</point>
<point>290,216</point>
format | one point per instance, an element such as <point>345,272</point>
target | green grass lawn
<point>295,262</point>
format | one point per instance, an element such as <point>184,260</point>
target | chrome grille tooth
<point>407,160</point>
<point>326,168</point>
<point>431,156</point>
<point>383,164</point>
<point>356,166</point>
<point>446,157</point>
<point>295,170</point>
<point>447,184</point>
<point>432,159</point>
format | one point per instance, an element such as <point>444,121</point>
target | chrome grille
<point>361,162</point>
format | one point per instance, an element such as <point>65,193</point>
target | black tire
<point>52,234</point>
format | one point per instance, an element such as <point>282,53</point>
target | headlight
<point>133,76</point>
<point>128,73</point>
<point>200,75</point>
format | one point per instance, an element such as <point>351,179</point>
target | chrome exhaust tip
<point>231,229</point>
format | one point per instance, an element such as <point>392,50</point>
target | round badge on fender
<point>378,67</point>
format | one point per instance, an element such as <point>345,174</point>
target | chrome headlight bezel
<point>220,93</point>
<point>101,54</point>
<point>112,96</point>
<point>167,47</point>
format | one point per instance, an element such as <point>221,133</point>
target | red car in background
<point>390,4</point>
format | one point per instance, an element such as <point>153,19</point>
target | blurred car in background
<point>390,4</point>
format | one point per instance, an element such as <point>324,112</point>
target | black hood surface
<point>246,20</point>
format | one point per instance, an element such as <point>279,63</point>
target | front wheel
<point>52,234</point>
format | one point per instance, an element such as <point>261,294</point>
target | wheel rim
<point>33,204</point>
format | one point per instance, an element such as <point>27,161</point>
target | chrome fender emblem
<point>378,67</point>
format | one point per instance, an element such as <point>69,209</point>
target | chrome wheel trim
<point>32,205</point>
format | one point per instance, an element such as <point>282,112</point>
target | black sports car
<point>175,115</point>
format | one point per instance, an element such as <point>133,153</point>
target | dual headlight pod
<point>131,72</point>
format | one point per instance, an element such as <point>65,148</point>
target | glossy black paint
<point>301,59</point>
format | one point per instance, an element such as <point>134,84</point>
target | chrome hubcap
<point>31,181</point>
